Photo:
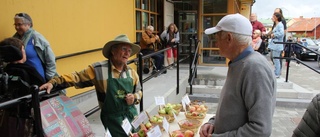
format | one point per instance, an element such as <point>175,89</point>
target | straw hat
<point>118,40</point>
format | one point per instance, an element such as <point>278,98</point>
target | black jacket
<point>309,125</point>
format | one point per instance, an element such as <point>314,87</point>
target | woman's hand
<point>173,40</point>
<point>206,130</point>
<point>130,99</point>
<point>47,86</point>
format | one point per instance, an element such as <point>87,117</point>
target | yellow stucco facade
<point>73,26</point>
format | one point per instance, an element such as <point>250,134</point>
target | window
<point>138,20</point>
<point>215,6</point>
<point>148,13</point>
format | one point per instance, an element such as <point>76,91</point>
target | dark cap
<point>26,16</point>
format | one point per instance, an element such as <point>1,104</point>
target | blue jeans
<point>276,62</point>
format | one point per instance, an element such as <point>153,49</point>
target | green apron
<point>115,109</point>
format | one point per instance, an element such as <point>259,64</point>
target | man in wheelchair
<point>16,79</point>
<point>148,45</point>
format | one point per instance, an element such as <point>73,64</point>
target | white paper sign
<point>126,126</point>
<point>159,100</point>
<point>107,133</point>
<point>186,99</point>
<point>184,105</point>
<point>154,132</point>
<point>165,125</point>
<point>174,115</point>
<point>138,120</point>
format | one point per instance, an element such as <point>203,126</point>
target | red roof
<point>305,24</point>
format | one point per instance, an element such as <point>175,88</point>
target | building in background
<point>306,27</point>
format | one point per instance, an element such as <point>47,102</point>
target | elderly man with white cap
<point>117,85</point>
<point>247,99</point>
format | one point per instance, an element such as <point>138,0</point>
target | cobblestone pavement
<point>284,119</point>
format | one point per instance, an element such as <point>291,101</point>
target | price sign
<point>159,100</point>
<point>165,125</point>
<point>107,133</point>
<point>138,120</point>
<point>184,105</point>
<point>154,132</point>
<point>186,99</point>
<point>126,126</point>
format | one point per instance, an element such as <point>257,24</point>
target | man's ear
<point>229,37</point>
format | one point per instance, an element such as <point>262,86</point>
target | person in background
<point>256,40</point>
<point>171,38</point>
<point>257,25</point>
<point>309,126</point>
<point>276,36</point>
<point>304,43</point>
<point>297,50</point>
<point>284,23</point>
<point>38,51</point>
<point>148,45</point>
<point>117,85</point>
<point>248,98</point>
<point>17,121</point>
<point>287,48</point>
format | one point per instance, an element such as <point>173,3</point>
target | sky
<point>290,8</point>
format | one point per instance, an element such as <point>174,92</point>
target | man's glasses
<point>126,49</point>
<point>18,24</point>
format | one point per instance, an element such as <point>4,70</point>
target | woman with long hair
<point>171,38</point>
<point>277,36</point>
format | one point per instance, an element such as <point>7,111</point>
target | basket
<point>177,110</point>
<point>197,102</point>
<point>189,124</point>
<point>170,118</point>
<point>199,117</point>
<point>156,123</point>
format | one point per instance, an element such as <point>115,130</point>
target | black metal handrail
<point>193,62</point>
<point>288,59</point>
<point>77,53</point>
<point>34,98</point>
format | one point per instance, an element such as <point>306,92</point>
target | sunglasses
<point>21,15</point>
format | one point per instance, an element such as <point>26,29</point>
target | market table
<point>174,125</point>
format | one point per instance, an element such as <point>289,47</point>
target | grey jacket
<point>309,125</point>
<point>45,54</point>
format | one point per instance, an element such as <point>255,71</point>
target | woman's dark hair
<point>280,10</point>
<point>13,42</point>
<point>278,16</point>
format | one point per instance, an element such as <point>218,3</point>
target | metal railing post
<point>36,109</point>
<point>190,64</point>
<point>196,56</point>
<point>178,66</point>
<point>288,63</point>
<point>140,68</point>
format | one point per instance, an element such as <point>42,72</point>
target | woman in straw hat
<point>117,85</point>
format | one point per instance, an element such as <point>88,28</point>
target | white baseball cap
<point>235,23</point>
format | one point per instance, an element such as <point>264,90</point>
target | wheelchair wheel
<point>146,70</point>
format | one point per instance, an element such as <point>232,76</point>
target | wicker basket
<point>185,125</point>
<point>154,124</point>
<point>198,117</point>
<point>170,118</point>
<point>177,110</point>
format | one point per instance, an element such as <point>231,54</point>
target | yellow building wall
<point>73,26</point>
